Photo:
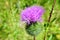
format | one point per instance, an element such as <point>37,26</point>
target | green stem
<point>34,38</point>
<point>46,32</point>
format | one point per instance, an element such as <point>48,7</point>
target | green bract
<point>34,29</point>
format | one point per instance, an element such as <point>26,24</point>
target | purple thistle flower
<point>32,14</point>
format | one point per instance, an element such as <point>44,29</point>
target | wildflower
<point>32,14</point>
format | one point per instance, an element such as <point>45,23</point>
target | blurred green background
<point>11,26</point>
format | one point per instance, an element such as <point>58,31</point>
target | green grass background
<point>11,27</point>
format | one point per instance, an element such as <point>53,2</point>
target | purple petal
<point>32,13</point>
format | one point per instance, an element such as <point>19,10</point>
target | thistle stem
<point>45,37</point>
<point>34,38</point>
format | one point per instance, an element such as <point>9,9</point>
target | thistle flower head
<point>32,14</point>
